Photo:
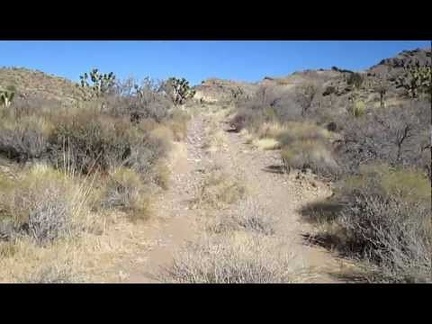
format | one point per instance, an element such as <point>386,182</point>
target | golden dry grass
<point>235,257</point>
<point>125,190</point>
<point>215,137</point>
<point>310,154</point>
<point>271,130</point>
<point>93,252</point>
<point>266,144</point>
<point>60,200</point>
<point>178,124</point>
<point>218,190</point>
<point>93,257</point>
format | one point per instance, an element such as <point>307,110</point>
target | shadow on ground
<point>231,130</point>
<point>336,241</point>
<point>278,169</point>
<point>321,211</point>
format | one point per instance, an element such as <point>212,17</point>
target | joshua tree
<point>179,90</point>
<point>100,84</point>
<point>416,80</point>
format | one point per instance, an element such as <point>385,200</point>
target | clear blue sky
<point>197,60</point>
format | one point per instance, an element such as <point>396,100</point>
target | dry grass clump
<point>218,190</point>
<point>234,258</point>
<point>44,205</point>
<point>249,218</point>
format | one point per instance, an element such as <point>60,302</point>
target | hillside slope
<point>32,84</point>
<point>386,71</point>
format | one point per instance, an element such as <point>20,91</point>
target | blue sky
<point>197,60</point>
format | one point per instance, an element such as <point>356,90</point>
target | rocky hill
<point>337,79</point>
<point>214,89</point>
<point>33,84</point>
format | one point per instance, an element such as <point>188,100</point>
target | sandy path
<point>275,194</point>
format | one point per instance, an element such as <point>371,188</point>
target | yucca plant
<point>7,95</point>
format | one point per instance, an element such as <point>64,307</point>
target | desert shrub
<point>33,105</point>
<point>178,122</point>
<point>53,274</point>
<point>139,100</point>
<point>271,104</point>
<point>233,259</point>
<point>272,130</point>
<point>250,119</point>
<point>219,189</point>
<point>355,79</point>
<point>329,90</point>
<point>385,217</point>
<point>266,144</point>
<point>305,95</point>
<point>24,139</point>
<point>250,218</point>
<point>44,205</point>
<point>238,122</point>
<point>94,143</point>
<point>161,175</point>
<point>358,108</point>
<point>309,154</point>
<point>101,142</point>
<point>125,190</point>
<point>398,136</point>
<point>306,146</point>
<point>297,131</point>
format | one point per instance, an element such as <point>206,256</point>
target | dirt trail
<point>282,196</point>
<point>175,223</point>
<point>276,194</point>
